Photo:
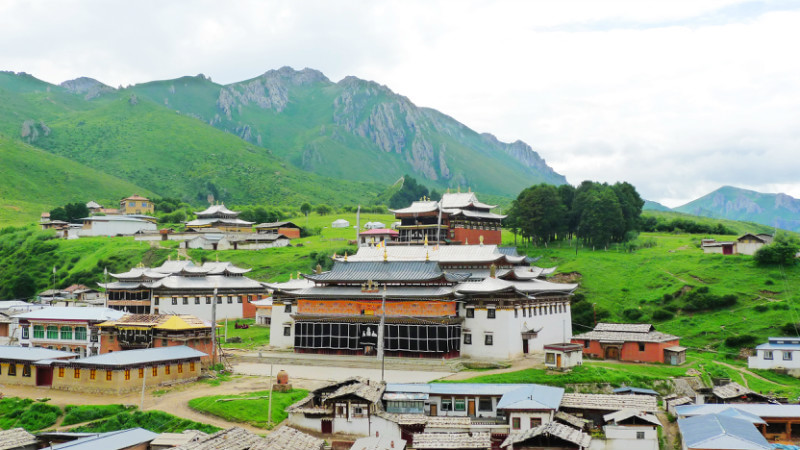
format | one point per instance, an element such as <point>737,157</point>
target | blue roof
<point>114,440</point>
<point>763,410</point>
<point>532,396</point>
<point>142,356</point>
<point>513,396</point>
<point>715,431</point>
<point>739,414</point>
<point>634,390</point>
<point>773,346</point>
<point>14,353</point>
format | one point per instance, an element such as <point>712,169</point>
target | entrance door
<point>525,346</point>
<point>612,353</point>
<point>558,361</point>
<point>471,407</point>
<point>44,376</point>
<point>327,426</point>
<point>434,409</point>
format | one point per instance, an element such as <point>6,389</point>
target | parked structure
<point>630,342</point>
<point>288,229</point>
<point>72,328</point>
<point>779,353</point>
<point>136,204</point>
<point>136,331</point>
<point>222,218</point>
<point>457,219</point>
<point>181,287</point>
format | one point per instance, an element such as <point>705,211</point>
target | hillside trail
<point>531,361</point>
<point>744,371</point>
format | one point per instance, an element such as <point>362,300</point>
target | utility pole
<point>105,285</point>
<point>141,404</point>
<point>214,328</point>
<point>269,405</point>
<point>381,349</point>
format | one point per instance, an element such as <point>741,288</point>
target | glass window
<point>238,299</point>
<point>287,308</point>
<point>640,435</point>
<point>191,366</point>
<point>488,339</point>
<point>66,333</point>
<point>447,404</point>
<point>108,375</point>
<point>80,333</point>
<point>174,301</point>
<point>550,358</point>
<point>208,300</point>
<point>61,372</point>
<point>141,372</point>
<point>166,369</point>
<point>26,370</point>
<point>12,370</point>
<point>287,331</point>
<point>25,333</point>
<point>127,374</point>
<point>787,356</point>
<point>197,300</point>
<point>467,338</point>
<point>485,404</point>
<point>461,404</point>
<point>535,422</point>
<point>491,313</point>
<point>470,313</point>
<point>180,368</point>
<point>767,354</point>
<point>52,332</point>
<point>155,371</point>
<point>230,299</point>
<point>516,313</point>
<point>185,300</point>
<point>641,346</point>
<point>76,372</point>
<point>38,332</point>
<point>586,344</point>
<point>515,423</point>
<point>92,374</point>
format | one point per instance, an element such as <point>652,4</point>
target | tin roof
<point>384,271</point>
<point>763,410</point>
<point>532,397</point>
<point>84,313</point>
<point>625,332</point>
<point>550,429</point>
<point>176,439</point>
<point>356,292</point>
<point>625,414</point>
<point>624,327</point>
<point>714,431</point>
<point>14,353</point>
<point>139,357</point>
<point>113,440</point>
<point>634,390</point>
<point>17,438</point>
<point>276,225</point>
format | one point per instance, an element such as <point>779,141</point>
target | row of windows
<point>488,339</point>
<point>76,372</point>
<point>12,370</point>
<point>515,422</point>
<point>768,354</point>
<point>54,332</point>
<point>541,310</point>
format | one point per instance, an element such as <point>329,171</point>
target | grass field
<point>249,408</point>
<point>28,414</point>
<point>253,337</point>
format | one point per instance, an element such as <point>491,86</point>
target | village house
<point>72,328</point>
<point>377,236</point>
<point>595,407</point>
<point>779,353</point>
<point>630,429</point>
<point>288,229</point>
<point>136,331</point>
<point>129,439</point>
<point>777,422</point>
<point>549,435</point>
<point>115,226</point>
<point>458,218</point>
<point>135,205</point>
<point>563,355</point>
<point>720,432</point>
<point>732,392</point>
<point>747,244</point>
<point>181,287</point>
<point>28,366</point>
<point>125,371</point>
<point>638,342</point>
<point>222,218</point>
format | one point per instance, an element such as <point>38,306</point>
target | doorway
<point>612,353</point>
<point>525,346</point>
<point>44,376</point>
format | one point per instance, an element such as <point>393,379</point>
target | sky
<point>676,97</point>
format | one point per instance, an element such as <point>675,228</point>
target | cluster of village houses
<point>439,285</point>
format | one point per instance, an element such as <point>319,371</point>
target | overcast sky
<point>676,97</point>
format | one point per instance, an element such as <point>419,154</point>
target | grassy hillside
<point>728,202</point>
<point>737,226</point>
<point>34,180</point>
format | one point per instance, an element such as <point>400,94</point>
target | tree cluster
<point>260,214</point>
<point>411,191</point>
<point>651,224</point>
<point>596,213</point>
<point>782,251</point>
<point>70,212</point>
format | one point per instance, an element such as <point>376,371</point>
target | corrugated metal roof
<point>625,414</point>
<point>491,285</point>
<point>276,225</point>
<point>207,282</point>
<point>739,414</point>
<point>634,390</point>
<point>763,410</point>
<point>532,397</point>
<point>9,352</point>
<point>714,431</point>
<point>379,272</point>
<point>95,314</point>
<point>141,356</point>
<point>114,440</point>
<point>624,327</point>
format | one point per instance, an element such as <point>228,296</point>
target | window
<point>461,404</point>
<point>38,332</point>
<point>287,331</point>
<point>155,301</point>
<point>164,343</point>
<point>230,299</point>
<point>92,374</point>
<point>485,404</point>
<point>550,358</point>
<point>447,404</point>
<point>586,344</point>
<point>25,333</point>
<point>26,370</point>
<point>127,374</point>
<point>197,300</point>
<point>238,299</point>
<point>208,300</point>
<point>61,372</point>
<point>141,372</point>
<point>767,354</point>
<point>174,301</point>
<point>467,338</point>
<point>287,308</point>
<point>185,300</point>
<point>12,370</point>
<point>524,313</point>
<point>191,366</point>
<point>515,423</point>
<point>640,435</point>
<point>166,369</point>
<point>144,204</point>
<point>180,368</point>
<point>108,375</point>
<point>488,339</point>
<point>787,356</point>
<point>80,333</point>
<point>516,313</point>
<point>641,346</point>
<point>52,332</point>
<point>76,372</point>
<point>66,333</point>
<point>155,371</point>
<point>219,300</point>
<point>470,313</point>
<point>491,313</point>
<point>535,422</point>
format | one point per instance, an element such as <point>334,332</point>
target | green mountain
<point>727,202</point>
<point>34,180</point>
<point>353,129</point>
<point>650,205</point>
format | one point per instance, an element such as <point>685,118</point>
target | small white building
<point>777,353</point>
<point>340,223</point>
<point>630,429</point>
<point>114,226</point>
<point>374,225</point>
<point>563,355</point>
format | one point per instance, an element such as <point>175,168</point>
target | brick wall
<point>653,351</point>
<point>490,237</point>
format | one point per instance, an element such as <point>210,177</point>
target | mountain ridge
<point>729,202</point>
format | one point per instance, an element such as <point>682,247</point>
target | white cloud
<point>676,97</point>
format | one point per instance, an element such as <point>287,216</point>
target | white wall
<point>279,316</point>
<point>114,228</point>
<point>777,361</point>
<point>621,437</point>
<point>203,310</point>
<point>747,248</point>
<point>525,418</point>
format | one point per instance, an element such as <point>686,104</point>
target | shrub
<point>85,413</point>
<point>761,308</point>
<point>742,340</point>
<point>632,314</point>
<point>701,299</point>
<point>662,314</point>
<point>39,416</point>
<point>790,329</point>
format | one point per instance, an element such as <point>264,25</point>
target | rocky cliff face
<point>269,91</point>
<point>90,87</point>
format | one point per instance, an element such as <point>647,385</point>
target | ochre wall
<point>118,384</point>
<point>18,379</point>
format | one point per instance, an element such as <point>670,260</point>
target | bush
<point>701,299</point>
<point>790,329</point>
<point>662,315</point>
<point>761,308</point>
<point>782,251</point>
<point>632,314</point>
<point>85,413</point>
<point>39,416</point>
<point>742,340</point>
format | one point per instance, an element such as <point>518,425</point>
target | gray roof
<point>476,214</point>
<point>222,220</point>
<point>231,439</point>
<point>355,292</point>
<point>216,210</point>
<point>732,390</point>
<point>92,314</point>
<point>384,271</point>
<point>16,438</point>
<point>496,389</point>
<point>532,397</point>
<point>443,254</point>
<point>114,440</point>
<point>452,440</point>
<point>176,439</point>
<point>625,414</point>
<point>141,356</point>
<point>625,332</point>
<point>291,285</point>
<point>739,414</point>
<point>606,402</point>
<point>371,392</point>
<point>575,421</point>
<point>763,410</point>
<point>624,327</point>
<point>13,353</point>
<point>378,443</point>
<point>634,390</point>
<point>551,429</point>
<point>714,431</point>
<point>491,285</point>
<point>276,225</point>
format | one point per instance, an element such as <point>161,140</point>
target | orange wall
<point>490,237</point>
<point>291,233</point>
<point>393,308</point>
<point>248,309</point>
<point>653,351</point>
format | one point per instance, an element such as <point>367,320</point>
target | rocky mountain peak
<point>302,77</point>
<point>88,86</point>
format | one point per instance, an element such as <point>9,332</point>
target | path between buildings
<point>532,361</point>
<point>744,370</point>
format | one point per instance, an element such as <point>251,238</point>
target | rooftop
<point>114,440</point>
<point>158,321</point>
<point>277,225</point>
<point>763,410</point>
<point>452,440</point>
<point>140,357</point>
<point>606,402</point>
<point>384,271</point>
<point>216,210</point>
<point>625,332</point>
<point>78,313</point>
<point>714,431</point>
<point>550,429</point>
<point>14,353</point>
<point>16,438</point>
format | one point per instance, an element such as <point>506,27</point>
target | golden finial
<point>319,269</point>
<point>427,257</point>
<point>492,270</point>
<point>459,188</point>
<point>426,239</point>
<point>345,256</point>
<point>334,255</point>
<point>480,238</point>
<point>385,254</point>
<point>298,274</point>
<point>466,241</point>
<point>291,276</point>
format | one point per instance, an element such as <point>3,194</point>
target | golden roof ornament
<point>466,241</point>
<point>345,256</point>
<point>385,254</point>
<point>427,257</point>
<point>291,276</point>
<point>319,269</point>
<point>426,239</point>
<point>298,274</point>
<point>480,238</point>
<point>492,271</point>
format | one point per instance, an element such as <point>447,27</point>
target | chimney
<point>391,444</point>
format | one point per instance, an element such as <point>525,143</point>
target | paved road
<point>339,373</point>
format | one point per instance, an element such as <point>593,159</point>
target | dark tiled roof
<point>379,272</point>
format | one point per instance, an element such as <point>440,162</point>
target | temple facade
<point>181,287</point>
<point>458,218</point>
<point>220,218</point>
<point>459,302</point>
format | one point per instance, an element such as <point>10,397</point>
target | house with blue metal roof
<point>720,432</point>
<point>778,353</point>
<point>130,439</point>
<point>780,422</point>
